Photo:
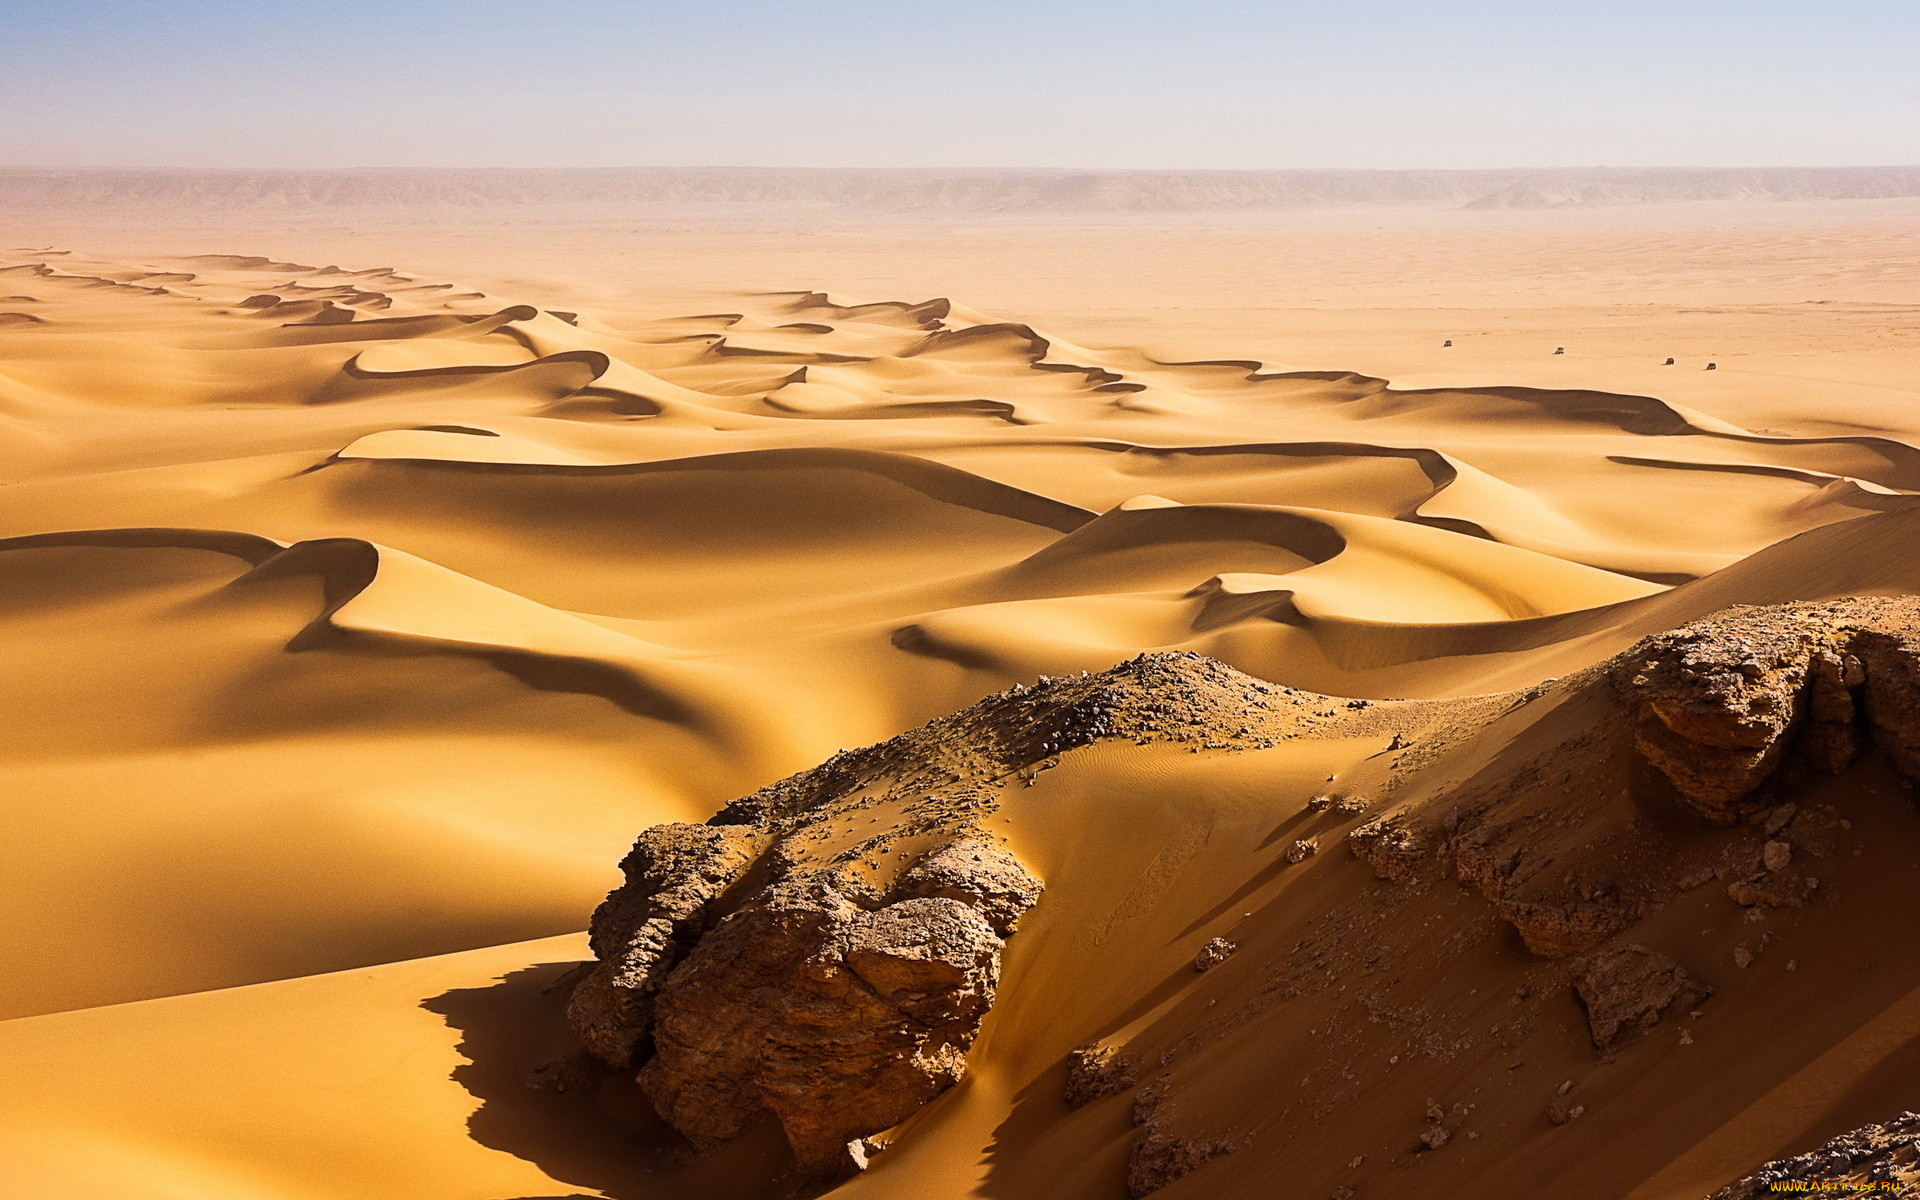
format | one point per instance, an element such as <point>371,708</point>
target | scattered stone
<point>1320,803</point>
<point>1303,849</point>
<point>1436,1136</point>
<point>1215,952</point>
<point>1770,889</point>
<point>1775,856</point>
<point>1779,818</point>
<point>1159,1156</point>
<point>576,1071</point>
<point>1742,957</point>
<point>1628,990</point>
<point>1559,1112</point>
<point>1694,880</point>
<point>1351,805</point>
<point>1096,1071</point>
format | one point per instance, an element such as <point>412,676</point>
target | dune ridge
<point>356,621</point>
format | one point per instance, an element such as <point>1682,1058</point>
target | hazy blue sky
<point>1201,83</point>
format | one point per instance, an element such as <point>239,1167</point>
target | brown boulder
<point>1630,989</point>
<point>839,1021</point>
<point>1557,930</point>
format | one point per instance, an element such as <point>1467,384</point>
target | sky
<point>1062,83</point>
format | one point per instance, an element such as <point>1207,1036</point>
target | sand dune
<point>355,621</point>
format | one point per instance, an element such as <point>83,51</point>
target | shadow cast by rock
<point>544,1102</point>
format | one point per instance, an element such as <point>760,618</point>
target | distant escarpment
<point>905,190</point>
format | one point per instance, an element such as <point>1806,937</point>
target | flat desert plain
<point>373,577</point>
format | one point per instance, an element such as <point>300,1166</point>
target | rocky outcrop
<point>835,1009</point>
<point>673,876</point>
<point>1391,846</point>
<point>1630,989</point>
<point>1880,1160</point>
<point>1557,930</point>
<point>823,952</point>
<point>839,1021</point>
<point>978,873</point>
<point>1719,705</point>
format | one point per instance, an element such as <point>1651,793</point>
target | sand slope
<point>355,620</point>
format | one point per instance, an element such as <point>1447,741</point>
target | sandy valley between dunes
<point>370,579</point>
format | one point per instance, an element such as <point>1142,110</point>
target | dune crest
<point>1333,767</point>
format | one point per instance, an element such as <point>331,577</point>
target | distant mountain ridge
<point>938,189</point>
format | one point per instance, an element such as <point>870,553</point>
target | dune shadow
<point>1093,1141</point>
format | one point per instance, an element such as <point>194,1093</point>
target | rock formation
<point>823,952</point>
<point>1880,1160</point>
<point>1718,704</point>
<point>1391,846</point>
<point>1096,1071</point>
<point>1160,1154</point>
<point>1629,989</point>
<point>1215,952</point>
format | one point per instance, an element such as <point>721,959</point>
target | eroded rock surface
<point>1391,846</point>
<point>673,875</point>
<point>838,1020</point>
<point>1160,1153</point>
<point>1096,1071</point>
<point>824,951</point>
<point>1719,704</point>
<point>1877,1160</point>
<point>1630,989</point>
